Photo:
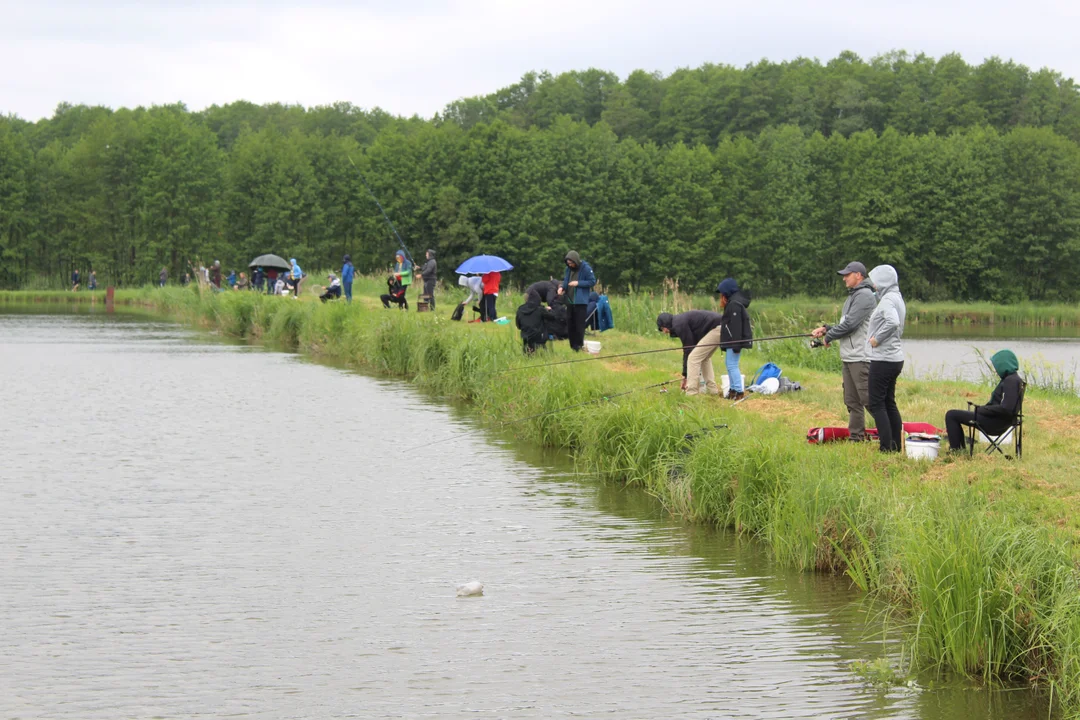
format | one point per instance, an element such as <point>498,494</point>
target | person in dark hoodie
<point>699,332</point>
<point>578,282</point>
<point>548,290</point>
<point>736,332</point>
<point>429,275</point>
<point>996,416</point>
<point>530,321</point>
<point>850,335</point>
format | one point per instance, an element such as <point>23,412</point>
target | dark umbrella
<point>271,261</point>
<point>483,264</point>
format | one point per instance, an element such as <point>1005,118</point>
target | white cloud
<point>414,57</point>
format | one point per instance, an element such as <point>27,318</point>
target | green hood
<point>1005,362</point>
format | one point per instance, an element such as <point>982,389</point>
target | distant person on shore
<point>348,272</point>
<point>850,335</point>
<point>186,280</point>
<point>884,333</point>
<point>231,279</point>
<point>491,282</point>
<point>333,290</point>
<point>997,415</point>
<point>548,290</point>
<point>242,283</point>
<point>214,274</point>
<point>530,320</point>
<point>403,270</point>
<point>258,278</point>
<point>296,275</point>
<point>395,293</point>
<point>280,286</point>
<point>737,333</point>
<point>699,333</point>
<point>429,274</point>
<point>74,280</point>
<point>272,276</point>
<point>578,281</point>
<point>163,277</point>
<point>93,280</point>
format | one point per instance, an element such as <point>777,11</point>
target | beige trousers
<point>699,364</point>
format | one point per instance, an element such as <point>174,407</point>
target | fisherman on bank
<point>429,274</point>
<point>699,332</point>
<point>348,272</point>
<point>736,331</point>
<point>402,270</point>
<point>579,278</point>
<point>850,335</point>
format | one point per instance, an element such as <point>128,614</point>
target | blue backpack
<point>768,370</point>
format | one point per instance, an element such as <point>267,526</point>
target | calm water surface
<point>190,528</point>
<point>956,353</point>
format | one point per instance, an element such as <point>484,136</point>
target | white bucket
<point>922,448</point>
<point>725,383</point>
<point>592,347</point>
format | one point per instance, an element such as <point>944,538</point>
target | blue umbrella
<point>483,264</point>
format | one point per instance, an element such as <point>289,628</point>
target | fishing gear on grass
<point>537,416</point>
<point>408,255</point>
<point>646,352</point>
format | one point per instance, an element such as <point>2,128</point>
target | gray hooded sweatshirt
<point>850,333</point>
<point>887,320</point>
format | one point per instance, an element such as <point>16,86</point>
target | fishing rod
<point>647,352</point>
<point>537,416</point>
<point>386,217</point>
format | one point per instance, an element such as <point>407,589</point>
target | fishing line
<point>646,352</point>
<point>386,217</point>
<point>508,423</point>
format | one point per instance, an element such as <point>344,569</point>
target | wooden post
<point>109,298</point>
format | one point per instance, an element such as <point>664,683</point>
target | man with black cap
<point>850,334</point>
<point>427,274</point>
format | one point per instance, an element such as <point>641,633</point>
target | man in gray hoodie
<point>886,355</point>
<point>850,335</point>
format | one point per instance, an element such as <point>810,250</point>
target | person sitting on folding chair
<point>997,416</point>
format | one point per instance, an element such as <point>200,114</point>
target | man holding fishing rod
<point>850,333</point>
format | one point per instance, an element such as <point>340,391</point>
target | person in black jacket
<point>736,333</point>
<point>530,320</point>
<point>548,290</point>
<point>429,274</point>
<point>996,416</point>
<point>699,333</point>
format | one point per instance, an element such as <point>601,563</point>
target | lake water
<point>191,528</point>
<point>956,353</point>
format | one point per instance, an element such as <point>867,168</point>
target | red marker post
<point>109,292</point>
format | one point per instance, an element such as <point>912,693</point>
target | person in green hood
<point>996,416</point>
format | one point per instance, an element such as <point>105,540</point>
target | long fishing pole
<point>537,416</point>
<point>386,217</point>
<point>646,352</point>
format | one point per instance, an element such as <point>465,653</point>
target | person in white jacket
<point>884,335</point>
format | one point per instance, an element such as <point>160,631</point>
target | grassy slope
<point>978,557</point>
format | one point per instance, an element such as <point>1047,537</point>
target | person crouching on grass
<point>699,333</point>
<point>736,332</point>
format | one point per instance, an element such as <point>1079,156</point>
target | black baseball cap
<point>853,267</point>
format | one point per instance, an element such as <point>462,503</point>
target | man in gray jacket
<point>850,335</point>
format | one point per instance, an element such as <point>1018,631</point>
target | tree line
<point>984,207</point>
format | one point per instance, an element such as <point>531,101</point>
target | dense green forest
<point>967,178</point>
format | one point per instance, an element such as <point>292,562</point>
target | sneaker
<point>738,396</point>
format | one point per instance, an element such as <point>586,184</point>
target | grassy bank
<point>978,559</point>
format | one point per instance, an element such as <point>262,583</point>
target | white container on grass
<point>592,347</point>
<point>922,447</point>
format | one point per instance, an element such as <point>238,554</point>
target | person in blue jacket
<point>580,279</point>
<point>295,276</point>
<point>348,272</point>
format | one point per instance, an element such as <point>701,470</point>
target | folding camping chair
<point>994,442</point>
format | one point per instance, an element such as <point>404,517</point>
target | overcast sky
<point>414,56</point>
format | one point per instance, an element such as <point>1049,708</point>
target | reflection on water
<point>195,528</point>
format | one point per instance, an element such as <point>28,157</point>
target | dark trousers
<point>883,377</point>
<point>487,308</point>
<point>429,290</point>
<point>402,302</point>
<point>955,420</point>
<point>575,325</point>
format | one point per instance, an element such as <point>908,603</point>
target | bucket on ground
<point>592,347</point>
<point>922,446</point>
